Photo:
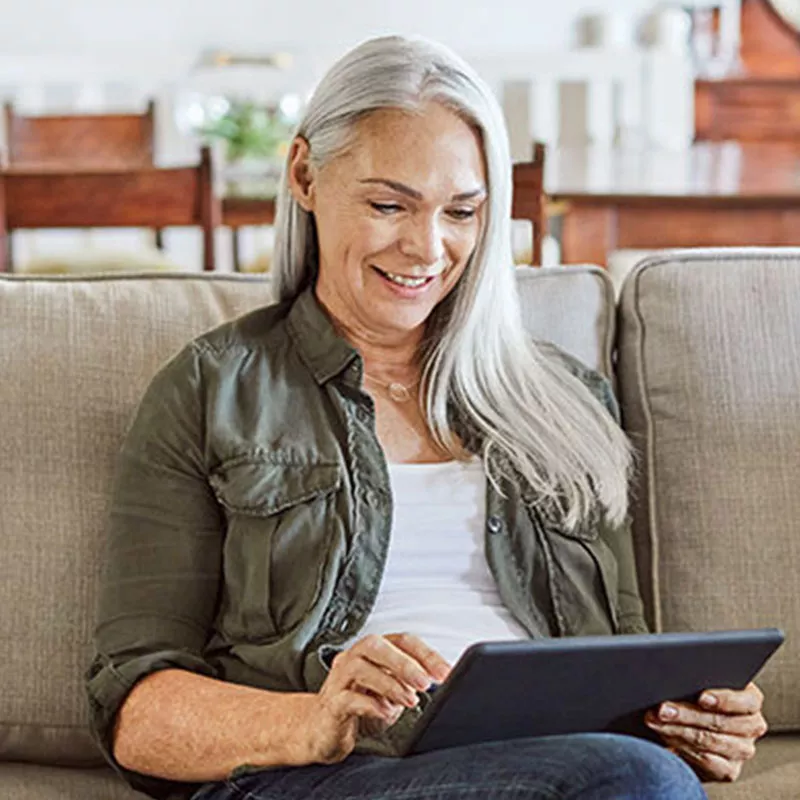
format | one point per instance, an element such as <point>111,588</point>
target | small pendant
<point>399,393</point>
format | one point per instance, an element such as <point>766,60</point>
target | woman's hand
<point>717,735</point>
<point>368,687</point>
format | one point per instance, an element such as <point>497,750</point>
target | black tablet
<point>544,687</point>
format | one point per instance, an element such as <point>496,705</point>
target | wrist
<point>300,740</point>
<point>282,733</point>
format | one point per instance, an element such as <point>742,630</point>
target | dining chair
<point>529,198</point>
<point>82,141</point>
<point>143,197</point>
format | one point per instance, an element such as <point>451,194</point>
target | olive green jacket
<point>251,519</point>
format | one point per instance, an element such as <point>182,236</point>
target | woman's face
<point>397,217</point>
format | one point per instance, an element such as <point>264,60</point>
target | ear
<point>301,182</point>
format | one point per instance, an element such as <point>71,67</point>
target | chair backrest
<point>528,201</point>
<point>81,140</point>
<point>135,198</point>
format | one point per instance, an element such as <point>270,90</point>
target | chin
<point>405,322</point>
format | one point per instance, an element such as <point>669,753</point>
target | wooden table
<point>712,194</point>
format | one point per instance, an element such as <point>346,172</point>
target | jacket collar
<point>324,351</point>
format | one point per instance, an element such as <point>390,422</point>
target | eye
<point>462,213</point>
<point>386,208</point>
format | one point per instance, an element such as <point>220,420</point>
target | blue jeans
<point>592,766</point>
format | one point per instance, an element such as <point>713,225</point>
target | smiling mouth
<point>405,280</point>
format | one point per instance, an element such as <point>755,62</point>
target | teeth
<point>405,281</point>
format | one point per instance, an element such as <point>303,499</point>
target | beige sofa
<point>709,377</point>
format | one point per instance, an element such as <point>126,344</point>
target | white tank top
<point>437,583</point>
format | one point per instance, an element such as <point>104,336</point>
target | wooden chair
<point>82,141</point>
<point>137,198</point>
<point>529,198</point>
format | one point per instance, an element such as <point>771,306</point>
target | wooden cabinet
<point>748,109</point>
<point>763,103</point>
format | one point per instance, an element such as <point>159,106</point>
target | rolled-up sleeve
<point>163,559</point>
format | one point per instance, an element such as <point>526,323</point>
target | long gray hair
<point>534,418</point>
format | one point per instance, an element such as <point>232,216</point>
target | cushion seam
<point>653,538</point>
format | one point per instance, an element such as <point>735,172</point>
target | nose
<point>423,240</point>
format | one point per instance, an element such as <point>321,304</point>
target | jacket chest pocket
<point>279,519</point>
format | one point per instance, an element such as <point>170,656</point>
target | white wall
<point>179,29</point>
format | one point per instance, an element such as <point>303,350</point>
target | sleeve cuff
<point>107,686</point>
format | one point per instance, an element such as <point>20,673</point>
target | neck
<point>387,355</point>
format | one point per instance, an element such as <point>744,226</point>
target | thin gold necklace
<point>399,392</point>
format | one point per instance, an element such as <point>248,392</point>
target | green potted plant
<point>250,131</point>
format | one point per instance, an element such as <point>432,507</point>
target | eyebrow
<point>407,190</point>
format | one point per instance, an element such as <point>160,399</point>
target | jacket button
<point>363,415</point>
<point>494,524</point>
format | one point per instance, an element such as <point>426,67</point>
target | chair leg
<point>236,252</point>
<point>9,267</point>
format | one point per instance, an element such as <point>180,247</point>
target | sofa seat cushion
<point>774,774</point>
<point>33,782</point>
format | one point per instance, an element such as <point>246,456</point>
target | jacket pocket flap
<point>257,486</point>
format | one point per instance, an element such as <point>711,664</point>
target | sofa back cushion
<point>709,375</point>
<point>75,356</point>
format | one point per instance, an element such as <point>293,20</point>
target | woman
<point>382,451</point>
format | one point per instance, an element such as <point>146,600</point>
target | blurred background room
<point>635,126</point>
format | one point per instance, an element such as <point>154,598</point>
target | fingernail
<point>709,700</point>
<point>668,712</point>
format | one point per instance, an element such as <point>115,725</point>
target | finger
<point>737,748</point>
<point>710,765</point>
<point>375,727</point>
<point>369,651</point>
<point>685,714</point>
<point>392,710</point>
<point>749,700</point>
<point>353,703</point>
<point>385,654</point>
<point>371,678</point>
<point>431,661</point>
